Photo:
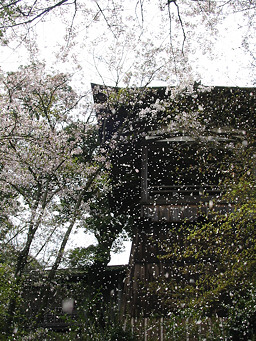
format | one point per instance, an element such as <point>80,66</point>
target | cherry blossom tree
<point>42,177</point>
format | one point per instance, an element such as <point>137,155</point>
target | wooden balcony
<point>181,194</point>
<point>179,213</point>
<point>182,203</point>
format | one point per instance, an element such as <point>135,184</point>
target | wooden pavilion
<point>166,152</point>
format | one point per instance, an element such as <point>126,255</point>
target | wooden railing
<point>184,190</point>
<point>177,203</point>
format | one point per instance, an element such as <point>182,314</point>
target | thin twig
<point>109,26</point>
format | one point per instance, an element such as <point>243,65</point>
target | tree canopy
<point>135,43</point>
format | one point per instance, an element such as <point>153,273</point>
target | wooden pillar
<point>144,174</point>
<point>145,329</point>
<point>161,329</point>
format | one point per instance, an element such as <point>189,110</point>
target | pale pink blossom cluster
<point>47,161</point>
<point>186,122</point>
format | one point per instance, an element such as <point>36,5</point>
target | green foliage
<point>112,332</point>
<point>81,257</point>
<point>190,323</point>
<point>104,325</point>
<point>215,260</point>
<point>6,288</point>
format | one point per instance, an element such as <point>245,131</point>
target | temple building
<point>169,154</point>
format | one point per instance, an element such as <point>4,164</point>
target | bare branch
<point>37,16</point>
<point>180,21</point>
<point>72,24</point>
<point>170,33</point>
<point>140,3</point>
<point>106,20</point>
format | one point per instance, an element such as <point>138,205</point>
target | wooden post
<point>145,328</point>
<point>144,173</point>
<point>162,329</point>
<point>187,331</point>
<point>132,325</point>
